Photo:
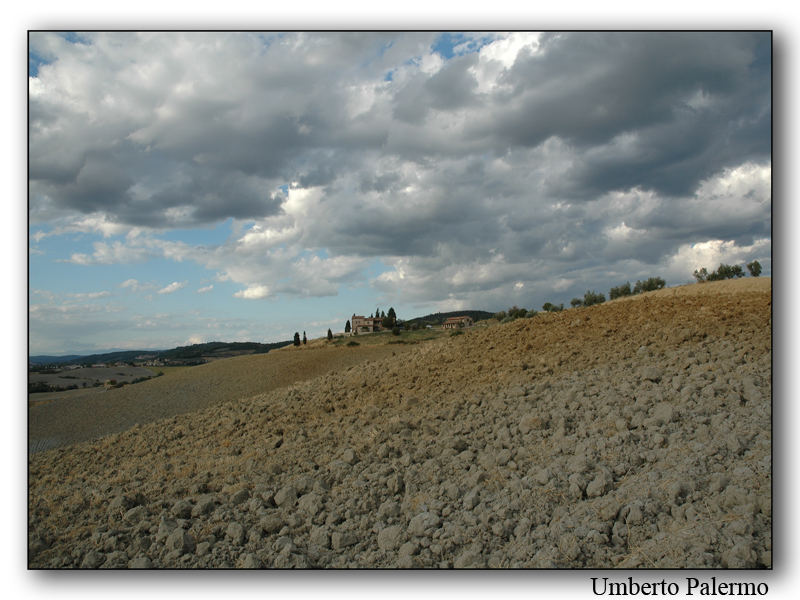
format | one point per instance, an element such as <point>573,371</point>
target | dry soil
<point>636,433</point>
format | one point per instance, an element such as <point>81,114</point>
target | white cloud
<point>99,223</point>
<point>711,253</point>
<point>254,292</point>
<point>137,286</point>
<point>114,253</point>
<point>743,192</point>
<point>173,287</point>
<point>499,55</point>
<point>301,202</point>
<point>90,295</point>
<point>205,289</point>
<point>266,238</point>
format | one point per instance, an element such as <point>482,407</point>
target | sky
<point>186,187</point>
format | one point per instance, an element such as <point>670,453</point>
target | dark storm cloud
<point>453,86</point>
<point>694,101</point>
<point>450,88</point>
<point>99,180</point>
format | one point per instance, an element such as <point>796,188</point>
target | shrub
<point>726,272</point>
<point>353,343</point>
<point>754,268</point>
<point>701,275</point>
<point>620,291</point>
<point>530,313</point>
<point>38,387</point>
<point>500,315</point>
<point>576,302</point>
<point>590,298</point>
<point>649,285</point>
<point>456,332</point>
<point>395,330</point>
<point>517,313</point>
<point>723,272</point>
<point>549,307</point>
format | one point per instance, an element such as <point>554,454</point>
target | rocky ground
<point>636,433</point>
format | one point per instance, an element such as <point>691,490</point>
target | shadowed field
<point>68,417</point>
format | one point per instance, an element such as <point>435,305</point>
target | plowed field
<point>636,433</point>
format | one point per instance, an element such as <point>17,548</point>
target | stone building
<point>360,324</point>
<point>457,323</point>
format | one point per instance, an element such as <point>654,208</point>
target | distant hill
<point>106,357</point>
<point>439,318</point>
<point>219,350</point>
<point>181,354</point>
<point>46,359</point>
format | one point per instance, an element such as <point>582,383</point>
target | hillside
<point>635,433</point>
<point>439,318</point>
<point>83,415</point>
<point>195,352</point>
<point>51,359</point>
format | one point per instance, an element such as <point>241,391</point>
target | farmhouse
<point>457,322</point>
<point>361,324</point>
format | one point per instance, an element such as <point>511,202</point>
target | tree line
<point>727,272</point>
<point>592,297</point>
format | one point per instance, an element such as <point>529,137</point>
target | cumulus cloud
<point>205,289</point>
<point>254,292</point>
<point>711,253</point>
<point>512,165</point>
